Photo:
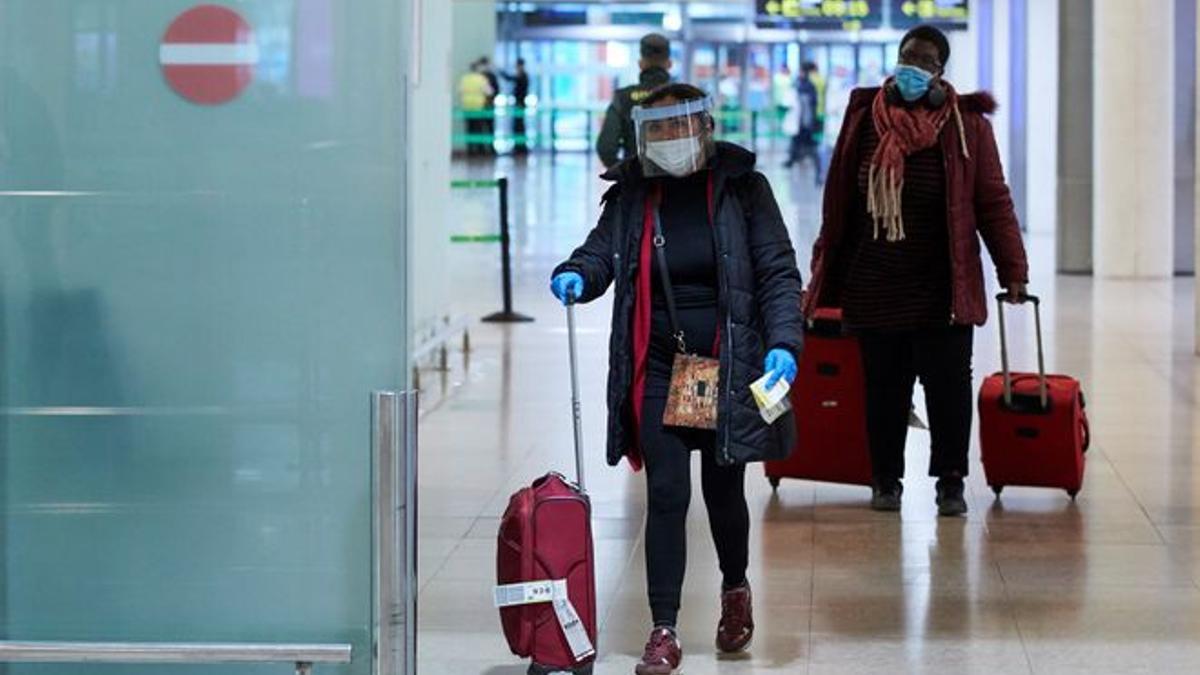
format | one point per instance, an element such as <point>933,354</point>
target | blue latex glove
<point>780,364</point>
<point>567,285</point>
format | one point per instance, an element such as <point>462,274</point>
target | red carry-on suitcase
<point>828,400</point>
<point>545,566</point>
<point>1033,429</point>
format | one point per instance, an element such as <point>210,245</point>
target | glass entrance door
<point>196,302</point>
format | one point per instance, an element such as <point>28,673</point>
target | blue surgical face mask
<point>912,82</point>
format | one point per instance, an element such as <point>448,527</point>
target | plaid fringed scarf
<point>902,131</point>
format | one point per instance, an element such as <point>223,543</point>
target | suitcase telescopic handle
<point>1037,319</point>
<point>576,414</point>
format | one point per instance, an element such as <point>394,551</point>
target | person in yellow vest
<point>473,94</point>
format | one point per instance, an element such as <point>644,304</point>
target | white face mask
<point>679,157</point>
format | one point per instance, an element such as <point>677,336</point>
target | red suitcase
<point>1033,428</point>
<point>828,400</point>
<point>545,567</point>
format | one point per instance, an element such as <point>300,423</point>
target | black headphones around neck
<point>933,99</point>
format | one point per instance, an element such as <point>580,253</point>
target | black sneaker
<point>885,496</point>
<point>950,500</point>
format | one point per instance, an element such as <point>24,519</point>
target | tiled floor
<point>1034,583</point>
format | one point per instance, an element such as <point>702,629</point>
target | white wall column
<point>1185,135</point>
<point>1134,198</point>
<point>474,26</point>
<point>1001,84</point>
<point>1041,139</point>
<point>1076,163</point>
<point>963,69</point>
<point>429,129</point>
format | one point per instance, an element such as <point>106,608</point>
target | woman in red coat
<point>914,182</point>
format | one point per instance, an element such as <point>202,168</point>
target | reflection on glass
<point>314,48</point>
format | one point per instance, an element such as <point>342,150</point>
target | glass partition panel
<point>195,304</point>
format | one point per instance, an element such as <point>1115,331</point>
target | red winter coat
<point>978,203</point>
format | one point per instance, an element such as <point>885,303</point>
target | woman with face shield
<point>914,183</point>
<point>707,301</point>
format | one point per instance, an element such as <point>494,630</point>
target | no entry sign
<point>208,54</point>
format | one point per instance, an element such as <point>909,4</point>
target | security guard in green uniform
<point>616,141</point>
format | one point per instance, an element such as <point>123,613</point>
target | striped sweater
<point>902,285</point>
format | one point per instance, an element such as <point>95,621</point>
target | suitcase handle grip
<point>1021,299</point>
<point>1037,318</point>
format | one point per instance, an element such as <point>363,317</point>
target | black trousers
<point>489,128</point>
<point>941,357</point>
<point>803,147</point>
<point>476,127</point>
<point>518,130</point>
<point>667,453</point>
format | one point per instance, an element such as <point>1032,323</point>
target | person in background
<point>485,68</point>
<point>780,85</point>
<point>473,94</point>
<point>729,95</point>
<point>805,125</point>
<point>616,140</point>
<point>914,182</point>
<point>699,208</point>
<point>520,80</point>
<point>818,81</point>
<point>781,93</point>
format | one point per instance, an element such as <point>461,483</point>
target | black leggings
<point>668,475</point>
<point>891,364</point>
<point>803,148</point>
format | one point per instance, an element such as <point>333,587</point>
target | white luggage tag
<point>530,593</point>
<point>571,624</point>
<point>555,592</point>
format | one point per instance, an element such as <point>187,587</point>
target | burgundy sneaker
<point>663,654</point>
<point>737,620</point>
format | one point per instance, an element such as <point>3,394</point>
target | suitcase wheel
<point>997,489</point>
<point>1072,494</point>
<point>774,481</point>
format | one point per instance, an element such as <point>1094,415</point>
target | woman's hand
<point>1016,293</point>
<point>780,364</point>
<point>567,287</point>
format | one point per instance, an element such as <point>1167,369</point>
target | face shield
<point>674,140</point>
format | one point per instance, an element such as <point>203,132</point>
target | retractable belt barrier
<point>506,315</point>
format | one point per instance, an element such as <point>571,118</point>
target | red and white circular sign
<point>208,54</point>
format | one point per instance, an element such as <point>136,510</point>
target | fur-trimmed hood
<point>979,102</point>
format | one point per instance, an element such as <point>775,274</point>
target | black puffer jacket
<point>759,299</point>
